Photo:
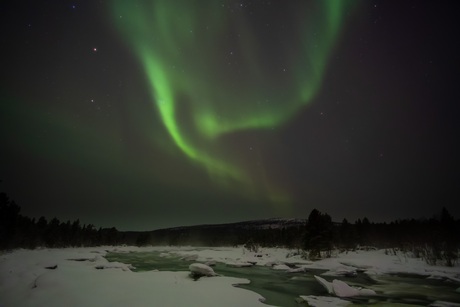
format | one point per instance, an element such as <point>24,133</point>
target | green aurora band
<point>210,75</point>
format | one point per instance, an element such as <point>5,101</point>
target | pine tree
<point>319,234</point>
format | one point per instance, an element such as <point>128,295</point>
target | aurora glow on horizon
<point>210,69</point>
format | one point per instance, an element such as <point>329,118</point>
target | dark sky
<point>150,114</point>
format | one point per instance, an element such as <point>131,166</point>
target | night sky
<point>151,114</point>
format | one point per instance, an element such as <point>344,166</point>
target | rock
<point>81,259</point>
<point>51,267</point>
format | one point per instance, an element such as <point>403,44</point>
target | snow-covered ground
<point>83,277</point>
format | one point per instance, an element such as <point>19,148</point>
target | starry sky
<point>157,113</point>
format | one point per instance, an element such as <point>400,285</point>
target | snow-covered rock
<point>200,269</point>
<point>342,289</point>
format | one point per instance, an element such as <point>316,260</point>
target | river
<point>280,288</point>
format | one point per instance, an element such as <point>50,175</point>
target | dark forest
<point>436,239</point>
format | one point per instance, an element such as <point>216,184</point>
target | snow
<point>372,262</point>
<point>341,289</point>
<point>378,262</point>
<point>281,267</point>
<point>24,281</point>
<point>83,277</point>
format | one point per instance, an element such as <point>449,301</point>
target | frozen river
<point>281,288</point>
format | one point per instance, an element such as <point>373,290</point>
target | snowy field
<point>83,277</point>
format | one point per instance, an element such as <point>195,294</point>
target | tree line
<point>436,239</point>
<point>18,231</point>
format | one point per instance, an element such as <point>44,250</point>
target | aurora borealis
<point>147,114</point>
<point>195,55</point>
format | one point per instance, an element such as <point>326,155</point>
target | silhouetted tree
<point>447,237</point>
<point>347,235</point>
<point>9,216</point>
<point>319,232</point>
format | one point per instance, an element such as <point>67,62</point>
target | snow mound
<point>281,267</point>
<point>297,270</point>
<point>115,265</point>
<point>200,269</point>
<point>342,289</point>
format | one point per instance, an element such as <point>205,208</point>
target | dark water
<point>281,289</point>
